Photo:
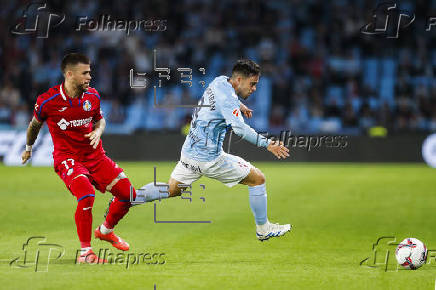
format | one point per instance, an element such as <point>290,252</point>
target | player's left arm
<point>95,135</point>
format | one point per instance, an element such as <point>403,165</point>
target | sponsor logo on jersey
<point>195,168</point>
<point>236,112</point>
<point>87,105</point>
<point>209,92</point>
<point>63,109</point>
<point>64,124</point>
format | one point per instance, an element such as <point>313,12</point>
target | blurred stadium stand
<point>319,73</point>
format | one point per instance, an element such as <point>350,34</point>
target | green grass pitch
<point>338,211</point>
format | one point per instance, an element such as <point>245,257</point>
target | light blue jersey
<point>210,124</point>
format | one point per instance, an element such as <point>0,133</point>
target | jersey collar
<point>64,93</point>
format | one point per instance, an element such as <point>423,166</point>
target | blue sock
<point>258,204</point>
<point>151,192</point>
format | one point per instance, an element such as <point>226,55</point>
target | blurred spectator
<point>318,70</point>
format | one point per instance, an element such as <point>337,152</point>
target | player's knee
<point>81,188</point>
<point>260,177</point>
<point>124,190</point>
<point>174,189</point>
<point>86,202</point>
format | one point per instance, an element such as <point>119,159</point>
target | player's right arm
<point>32,134</point>
<point>230,109</point>
<point>39,115</point>
<point>278,149</point>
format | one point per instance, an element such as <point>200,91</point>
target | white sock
<point>84,250</point>
<point>262,228</point>
<point>104,230</point>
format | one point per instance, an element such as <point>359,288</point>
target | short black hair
<point>73,59</point>
<point>246,67</point>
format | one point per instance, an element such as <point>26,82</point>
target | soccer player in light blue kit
<point>202,152</point>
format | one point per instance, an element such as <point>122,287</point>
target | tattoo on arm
<point>33,131</point>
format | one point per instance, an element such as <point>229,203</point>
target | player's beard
<point>240,94</point>
<point>245,96</point>
<point>81,88</point>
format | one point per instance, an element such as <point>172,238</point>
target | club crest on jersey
<point>87,105</point>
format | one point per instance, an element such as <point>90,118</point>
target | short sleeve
<point>38,110</point>
<point>98,112</point>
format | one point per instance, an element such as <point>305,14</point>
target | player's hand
<point>278,149</point>
<point>25,156</point>
<point>94,136</point>
<point>246,111</point>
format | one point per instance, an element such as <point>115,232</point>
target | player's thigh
<point>229,169</point>
<point>69,169</point>
<point>104,173</point>
<point>181,175</point>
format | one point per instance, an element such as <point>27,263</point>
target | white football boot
<point>270,230</point>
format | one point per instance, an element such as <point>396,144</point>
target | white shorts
<point>227,168</point>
